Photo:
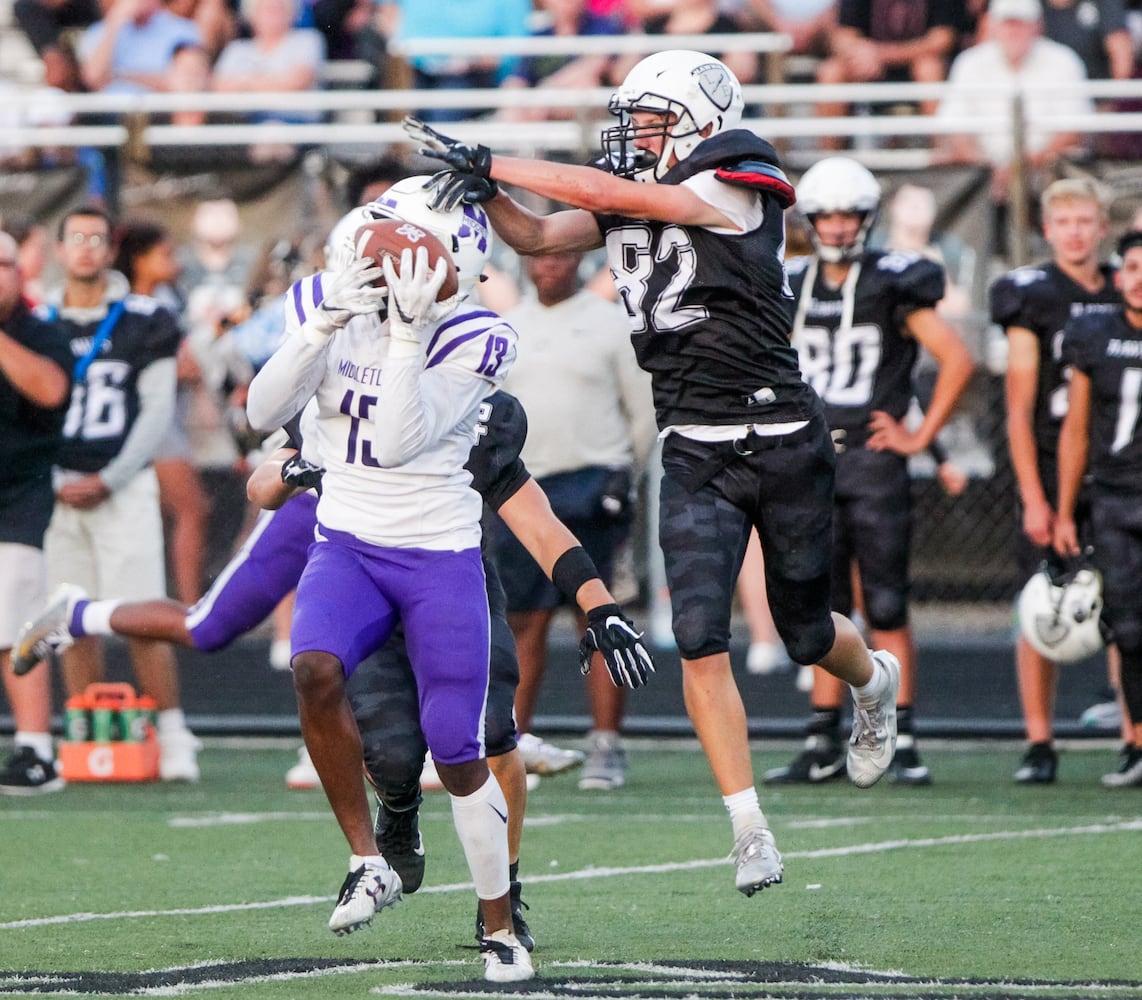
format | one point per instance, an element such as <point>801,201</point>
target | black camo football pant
<point>383,695</point>
<point>785,488</point>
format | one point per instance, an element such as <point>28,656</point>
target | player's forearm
<point>34,376</point>
<point>952,381</point>
<point>157,385</point>
<point>1025,460</point>
<point>265,487</point>
<point>1072,465</point>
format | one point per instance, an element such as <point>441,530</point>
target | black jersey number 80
<point>638,259</point>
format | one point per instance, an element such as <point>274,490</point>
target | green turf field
<point>974,887</point>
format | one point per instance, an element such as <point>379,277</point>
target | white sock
<point>96,617</point>
<point>481,821</point>
<point>171,720</point>
<point>356,861</point>
<point>745,810</point>
<point>870,693</point>
<point>41,743</point>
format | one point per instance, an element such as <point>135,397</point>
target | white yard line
<point>874,847</point>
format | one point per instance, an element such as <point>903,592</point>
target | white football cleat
<point>370,886</point>
<point>873,741</point>
<point>178,755</point>
<point>541,757</point>
<point>505,959</point>
<point>303,775</point>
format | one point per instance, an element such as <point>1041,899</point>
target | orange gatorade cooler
<point>121,744</point>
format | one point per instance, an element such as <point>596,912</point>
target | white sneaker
<point>49,632</point>
<point>758,860</point>
<point>541,757</point>
<point>873,741</point>
<point>766,658</point>
<point>370,886</point>
<point>429,779</point>
<point>178,755</point>
<point>505,959</point>
<point>280,654</point>
<point>303,775</point>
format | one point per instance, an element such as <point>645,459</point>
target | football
<point>389,237</point>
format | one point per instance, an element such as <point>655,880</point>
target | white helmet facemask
<point>697,96</point>
<point>839,184</point>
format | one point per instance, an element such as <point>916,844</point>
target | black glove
<point>617,493</point>
<point>300,474</point>
<point>459,157</point>
<point>452,188</point>
<point>611,633</point>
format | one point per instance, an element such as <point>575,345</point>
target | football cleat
<point>26,774</point>
<point>1128,774</point>
<point>873,741</point>
<point>303,775</point>
<point>606,765</point>
<point>398,839</point>
<point>505,959</point>
<point>178,755</point>
<point>370,886</point>
<point>822,760</point>
<point>541,757</point>
<point>49,632</point>
<point>519,925</point>
<point>1102,715</point>
<point>1038,766</point>
<point>757,859</point>
<point>907,768</point>
<point>767,658</point>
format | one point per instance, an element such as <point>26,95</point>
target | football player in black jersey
<point>35,361</point>
<point>1033,304</point>
<point>693,221</point>
<point>862,317</point>
<point>106,529</point>
<point>1100,434</point>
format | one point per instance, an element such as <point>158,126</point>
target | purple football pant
<point>262,572</point>
<point>351,597</point>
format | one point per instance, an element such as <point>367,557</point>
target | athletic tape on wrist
<point>573,569</point>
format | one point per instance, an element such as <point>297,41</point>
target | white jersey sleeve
<point>293,372</point>
<point>465,358</point>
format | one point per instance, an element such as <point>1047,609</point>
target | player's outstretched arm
<point>529,516</point>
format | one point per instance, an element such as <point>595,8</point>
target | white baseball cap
<point>1015,10</point>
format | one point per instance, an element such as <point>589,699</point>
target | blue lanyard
<point>102,332</point>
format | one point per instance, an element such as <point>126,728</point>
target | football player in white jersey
<point>399,378</point>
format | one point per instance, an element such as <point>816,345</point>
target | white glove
<point>351,293</point>
<point>412,293</point>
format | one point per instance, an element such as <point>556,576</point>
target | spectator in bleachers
<point>277,57</point>
<point>415,19</point>
<point>348,29</point>
<point>888,40</point>
<point>570,19</point>
<point>139,46</point>
<point>1016,55</point>
<point>44,21</point>
<point>810,23</point>
<point>1097,31</point>
<point>217,20</point>
<point>688,17</point>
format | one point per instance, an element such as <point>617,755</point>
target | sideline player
<point>862,317</point>
<point>692,219</point>
<point>1032,304</point>
<point>1100,433</point>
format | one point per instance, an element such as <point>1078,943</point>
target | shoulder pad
<point>760,176</point>
<point>1009,294</point>
<point>919,280</point>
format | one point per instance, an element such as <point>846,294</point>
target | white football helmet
<point>839,184</point>
<point>699,90</point>
<point>339,250</point>
<point>1059,615</point>
<point>465,231</point>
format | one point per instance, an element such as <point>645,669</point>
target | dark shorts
<point>576,499</point>
<point>1116,527</point>
<point>873,526</point>
<point>785,488</point>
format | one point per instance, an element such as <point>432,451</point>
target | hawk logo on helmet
<point>715,84</point>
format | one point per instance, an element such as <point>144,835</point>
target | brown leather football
<point>389,237</point>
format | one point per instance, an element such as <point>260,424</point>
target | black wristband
<point>573,569</point>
